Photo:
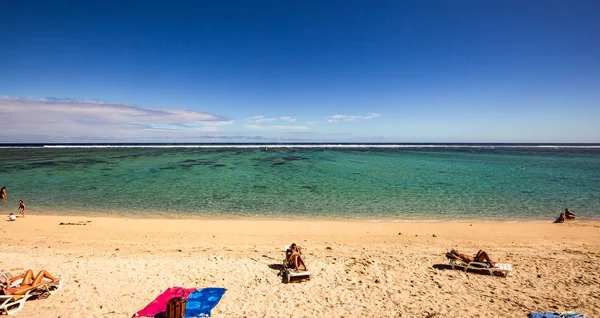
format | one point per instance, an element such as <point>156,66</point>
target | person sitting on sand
<point>3,193</point>
<point>12,217</point>
<point>22,208</point>
<point>481,256</point>
<point>28,282</point>
<point>294,257</point>
<point>570,215</point>
<point>561,218</point>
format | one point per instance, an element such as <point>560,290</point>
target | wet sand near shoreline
<point>112,267</point>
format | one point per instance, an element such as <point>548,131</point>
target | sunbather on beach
<point>28,282</point>
<point>561,218</point>
<point>294,257</point>
<point>570,215</point>
<point>481,256</point>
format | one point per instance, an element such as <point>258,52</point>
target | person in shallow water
<point>3,193</point>
<point>22,207</point>
<point>569,215</point>
<point>28,282</point>
<point>561,218</point>
<point>294,257</point>
<point>481,256</point>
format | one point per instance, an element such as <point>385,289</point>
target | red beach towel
<point>159,305</point>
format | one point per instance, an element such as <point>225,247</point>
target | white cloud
<point>276,127</point>
<point>259,119</point>
<point>262,119</point>
<point>288,118</point>
<point>71,118</point>
<point>311,122</point>
<point>335,118</point>
<point>218,123</point>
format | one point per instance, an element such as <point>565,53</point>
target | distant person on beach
<point>294,257</point>
<point>570,215</point>
<point>27,283</point>
<point>12,217</point>
<point>3,193</point>
<point>22,208</point>
<point>561,218</point>
<point>481,256</point>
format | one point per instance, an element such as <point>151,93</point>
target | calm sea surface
<point>376,182</point>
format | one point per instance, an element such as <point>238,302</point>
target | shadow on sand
<point>482,271</point>
<point>280,269</point>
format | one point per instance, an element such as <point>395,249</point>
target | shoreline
<point>341,218</point>
<point>112,267</point>
<point>375,224</point>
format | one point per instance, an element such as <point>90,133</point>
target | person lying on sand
<point>28,282</point>
<point>561,218</point>
<point>481,256</point>
<point>294,257</point>
<point>570,215</point>
<point>12,217</point>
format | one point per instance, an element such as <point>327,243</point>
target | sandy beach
<point>112,267</point>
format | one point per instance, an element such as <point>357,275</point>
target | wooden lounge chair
<point>290,272</point>
<point>500,269</point>
<point>10,304</point>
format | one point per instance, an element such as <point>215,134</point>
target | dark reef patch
<point>310,187</point>
<point>293,158</point>
<point>126,156</point>
<point>83,161</point>
<point>42,164</point>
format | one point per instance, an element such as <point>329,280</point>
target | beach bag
<point>175,307</point>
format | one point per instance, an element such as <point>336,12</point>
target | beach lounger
<point>502,269</point>
<point>5,276</point>
<point>10,304</point>
<point>290,272</point>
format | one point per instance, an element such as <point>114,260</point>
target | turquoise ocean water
<point>374,182</point>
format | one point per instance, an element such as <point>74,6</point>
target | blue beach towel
<point>200,302</point>
<point>570,314</point>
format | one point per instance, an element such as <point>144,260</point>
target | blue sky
<point>254,71</point>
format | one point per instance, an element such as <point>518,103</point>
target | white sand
<point>112,267</point>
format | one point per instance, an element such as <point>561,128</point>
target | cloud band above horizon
<point>71,119</point>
